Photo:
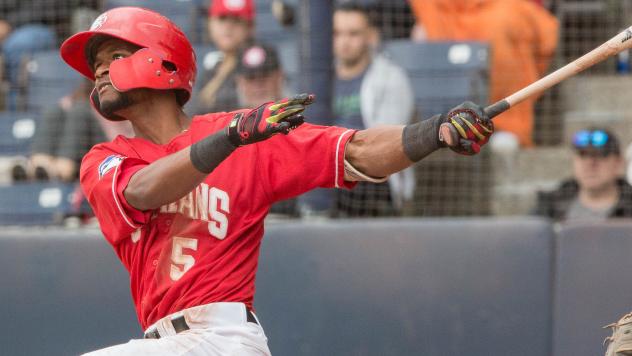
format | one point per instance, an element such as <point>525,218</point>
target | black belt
<point>180,325</point>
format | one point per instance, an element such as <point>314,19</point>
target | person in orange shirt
<point>522,36</point>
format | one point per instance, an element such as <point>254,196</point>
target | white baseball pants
<point>215,329</point>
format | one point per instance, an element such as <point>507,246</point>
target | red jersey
<point>204,248</point>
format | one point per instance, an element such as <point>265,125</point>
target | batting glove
<point>268,120</point>
<point>466,129</point>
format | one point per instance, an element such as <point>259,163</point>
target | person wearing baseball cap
<point>597,191</point>
<point>230,28</point>
<point>259,75</point>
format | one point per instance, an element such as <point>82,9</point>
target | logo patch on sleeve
<point>109,163</point>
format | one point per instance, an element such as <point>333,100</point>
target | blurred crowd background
<point>564,155</point>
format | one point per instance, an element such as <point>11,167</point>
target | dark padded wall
<point>62,293</point>
<point>399,287</point>
<point>593,285</point>
<point>437,287</point>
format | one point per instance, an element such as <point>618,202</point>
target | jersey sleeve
<point>104,176</point>
<point>309,157</point>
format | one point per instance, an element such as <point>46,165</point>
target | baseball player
<point>183,202</point>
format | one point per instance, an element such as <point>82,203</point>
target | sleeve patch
<point>109,163</point>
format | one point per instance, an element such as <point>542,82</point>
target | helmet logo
<point>235,5</point>
<point>99,22</point>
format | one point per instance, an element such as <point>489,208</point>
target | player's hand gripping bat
<point>466,130</point>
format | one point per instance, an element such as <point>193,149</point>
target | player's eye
<point>116,56</point>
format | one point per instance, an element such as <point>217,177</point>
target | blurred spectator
<point>231,27</point>
<point>259,76</point>
<point>597,191</point>
<point>523,37</point>
<point>27,26</point>
<point>65,135</point>
<point>259,80</point>
<point>369,90</point>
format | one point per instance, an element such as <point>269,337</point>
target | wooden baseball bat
<point>615,45</point>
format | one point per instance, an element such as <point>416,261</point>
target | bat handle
<point>497,108</point>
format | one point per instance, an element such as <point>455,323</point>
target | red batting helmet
<point>165,61</point>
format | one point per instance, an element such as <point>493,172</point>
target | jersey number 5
<point>178,258</point>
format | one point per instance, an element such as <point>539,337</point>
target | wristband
<point>208,153</point>
<point>422,138</point>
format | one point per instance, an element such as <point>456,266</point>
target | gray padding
<point>63,293</point>
<point>407,287</point>
<point>480,287</point>
<point>593,285</point>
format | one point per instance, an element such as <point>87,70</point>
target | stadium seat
<point>16,132</point>
<point>181,12</point>
<point>48,80</point>
<point>207,56</point>
<point>36,203</point>
<point>443,74</point>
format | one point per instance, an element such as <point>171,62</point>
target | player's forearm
<point>378,152</point>
<point>172,177</point>
<point>164,181</point>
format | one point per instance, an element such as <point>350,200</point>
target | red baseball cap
<point>244,9</point>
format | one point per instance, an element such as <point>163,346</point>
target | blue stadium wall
<point>381,287</point>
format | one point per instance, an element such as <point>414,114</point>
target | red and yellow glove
<point>466,129</point>
<point>268,120</point>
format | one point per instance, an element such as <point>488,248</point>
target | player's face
<point>254,91</point>
<point>229,33</point>
<point>110,99</point>
<point>352,37</point>
<point>595,172</point>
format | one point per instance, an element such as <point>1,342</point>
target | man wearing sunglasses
<point>597,191</point>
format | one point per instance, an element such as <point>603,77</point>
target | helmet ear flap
<point>96,104</point>
<point>146,68</point>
